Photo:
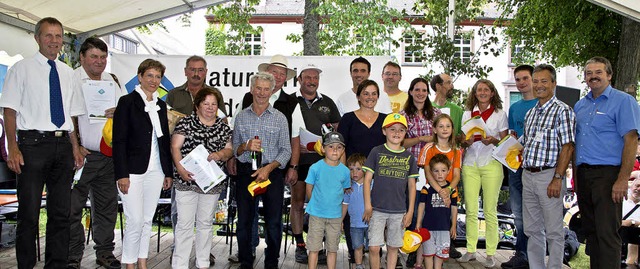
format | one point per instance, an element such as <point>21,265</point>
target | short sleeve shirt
<point>355,205</point>
<point>437,217</point>
<point>328,183</point>
<point>214,138</point>
<point>391,171</point>
<point>430,150</point>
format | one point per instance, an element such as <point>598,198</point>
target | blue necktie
<point>55,96</point>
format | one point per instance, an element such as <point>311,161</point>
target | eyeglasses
<point>389,74</point>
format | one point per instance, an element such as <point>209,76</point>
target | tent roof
<point>629,8</point>
<point>88,18</point>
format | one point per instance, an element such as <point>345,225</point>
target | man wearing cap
<point>97,174</point>
<point>320,115</point>
<point>260,127</point>
<point>39,101</point>
<point>360,69</point>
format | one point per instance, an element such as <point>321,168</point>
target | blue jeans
<point>515,197</point>
<point>272,200</point>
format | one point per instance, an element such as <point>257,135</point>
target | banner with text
<point>230,74</point>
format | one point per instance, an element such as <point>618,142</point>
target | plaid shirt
<point>272,129</point>
<point>547,128</point>
<point>419,126</point>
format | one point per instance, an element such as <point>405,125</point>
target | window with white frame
<point>516,52</point>
<point>253,44</point>
<point>413,51</point>
<point>462,45</point>
<point>123,44</point>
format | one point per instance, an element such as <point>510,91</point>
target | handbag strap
<point>631,212</point>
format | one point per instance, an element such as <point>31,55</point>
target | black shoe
<point>411,259</point>
<point>212,260</point>
<point>108,261</point>
<point>301,254</point>
<point>454,253</point>
<point>399,263</point>
<point>517,261</point>
<point>322,256</point>
<point>73,264</point>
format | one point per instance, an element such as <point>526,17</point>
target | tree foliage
<point>235,15</point>
<point>440,51</point>
<point>356,27</point>
<point>562,32</point>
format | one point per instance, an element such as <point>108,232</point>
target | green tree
<point>570,32</point>
<point>350,27</point>
<point>440,50</point>
<point>235,15</point>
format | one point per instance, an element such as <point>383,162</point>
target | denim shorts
<point>359,237</point>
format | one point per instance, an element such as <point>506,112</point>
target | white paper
<point>206,174</point>
<point>473,123</point>
<point>98,96</point>
<point>500,152</point>
<point>307,137</point>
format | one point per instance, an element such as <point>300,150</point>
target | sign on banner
<point>231,74</point>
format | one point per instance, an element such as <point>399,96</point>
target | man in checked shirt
<point>549,136</point>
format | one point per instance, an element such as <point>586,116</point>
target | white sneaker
<point>490,262</point>
<point>469,256</point>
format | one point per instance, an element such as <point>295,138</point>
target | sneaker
<point>489,262</point>
<point>108,261</point>
<point>411,259</point>
<point>301,254</point>
<point>322,257</point>
<point>234,258</point>
<point>517,261</point>
<point>454,253</point>
<point>468,257</point>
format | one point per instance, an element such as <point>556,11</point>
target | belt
<point>45,133</point>
<point>537,169</point>
<point>589,166</point>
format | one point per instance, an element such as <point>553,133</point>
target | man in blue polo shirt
<point>606,139</point>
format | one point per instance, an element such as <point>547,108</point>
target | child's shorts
<point>318,228</point>
<point>437,245</point>
<point>358,236</point>
<point>393,222</point>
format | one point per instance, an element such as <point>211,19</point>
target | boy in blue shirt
<point>326,182</point>
<point>385,205</point>
<point>354,203</point>
<point>441,220</point>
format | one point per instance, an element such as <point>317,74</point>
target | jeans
<point>47,160</point>
<point>515,198</point>
<point>272,201</point>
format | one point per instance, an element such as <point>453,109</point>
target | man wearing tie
<point>38,102</point>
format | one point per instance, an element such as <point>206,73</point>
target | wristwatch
<point>557,176</point>
<point>294,167</point>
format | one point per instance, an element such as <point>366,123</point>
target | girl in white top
<point>480,170</point>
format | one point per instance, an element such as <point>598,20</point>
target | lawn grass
<point>581,260</point>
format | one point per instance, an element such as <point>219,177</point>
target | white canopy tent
<point>99,18</point>
<point>629,8</point>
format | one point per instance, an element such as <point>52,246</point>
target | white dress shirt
<point>26,90</point>
<point>91,132</point>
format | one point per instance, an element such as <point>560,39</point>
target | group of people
<point>375,146</point>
